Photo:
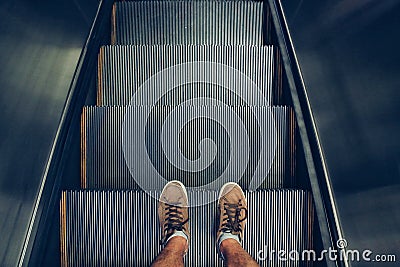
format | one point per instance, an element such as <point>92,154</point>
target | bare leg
<point>172,254</point>
<point>235,255</point>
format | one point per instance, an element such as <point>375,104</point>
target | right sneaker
<point>173,211</point>
<point>232,211</point>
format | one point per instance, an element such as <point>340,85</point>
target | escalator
<point>202,92</point>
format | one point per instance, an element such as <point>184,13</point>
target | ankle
<point>227,244</point>
<point>177,244</point>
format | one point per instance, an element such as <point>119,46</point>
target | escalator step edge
<point>120,228</point>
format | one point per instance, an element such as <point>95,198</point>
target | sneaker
<point>173,210</point>
<point>232,211</point>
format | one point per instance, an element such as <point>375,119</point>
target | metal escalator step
<point>202,146</point>
<point>190,22</point>
<point>120,228</point>
<point>235,75</point>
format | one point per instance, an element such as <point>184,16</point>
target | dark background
<point>348,53</point>
<point>40,44</point>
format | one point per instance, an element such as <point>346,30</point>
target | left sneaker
<point>173,211</point>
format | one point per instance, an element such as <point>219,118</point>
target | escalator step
<point>190,22</point>
<point>166,143</point>
<point>120,228</point>
<point>235,75</point>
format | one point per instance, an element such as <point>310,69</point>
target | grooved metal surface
<point>189,72</point>
<point>190,22</point>
<point>104,164</point>
<point>120,228</point>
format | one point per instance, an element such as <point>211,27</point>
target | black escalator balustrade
<point>187,91</point>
